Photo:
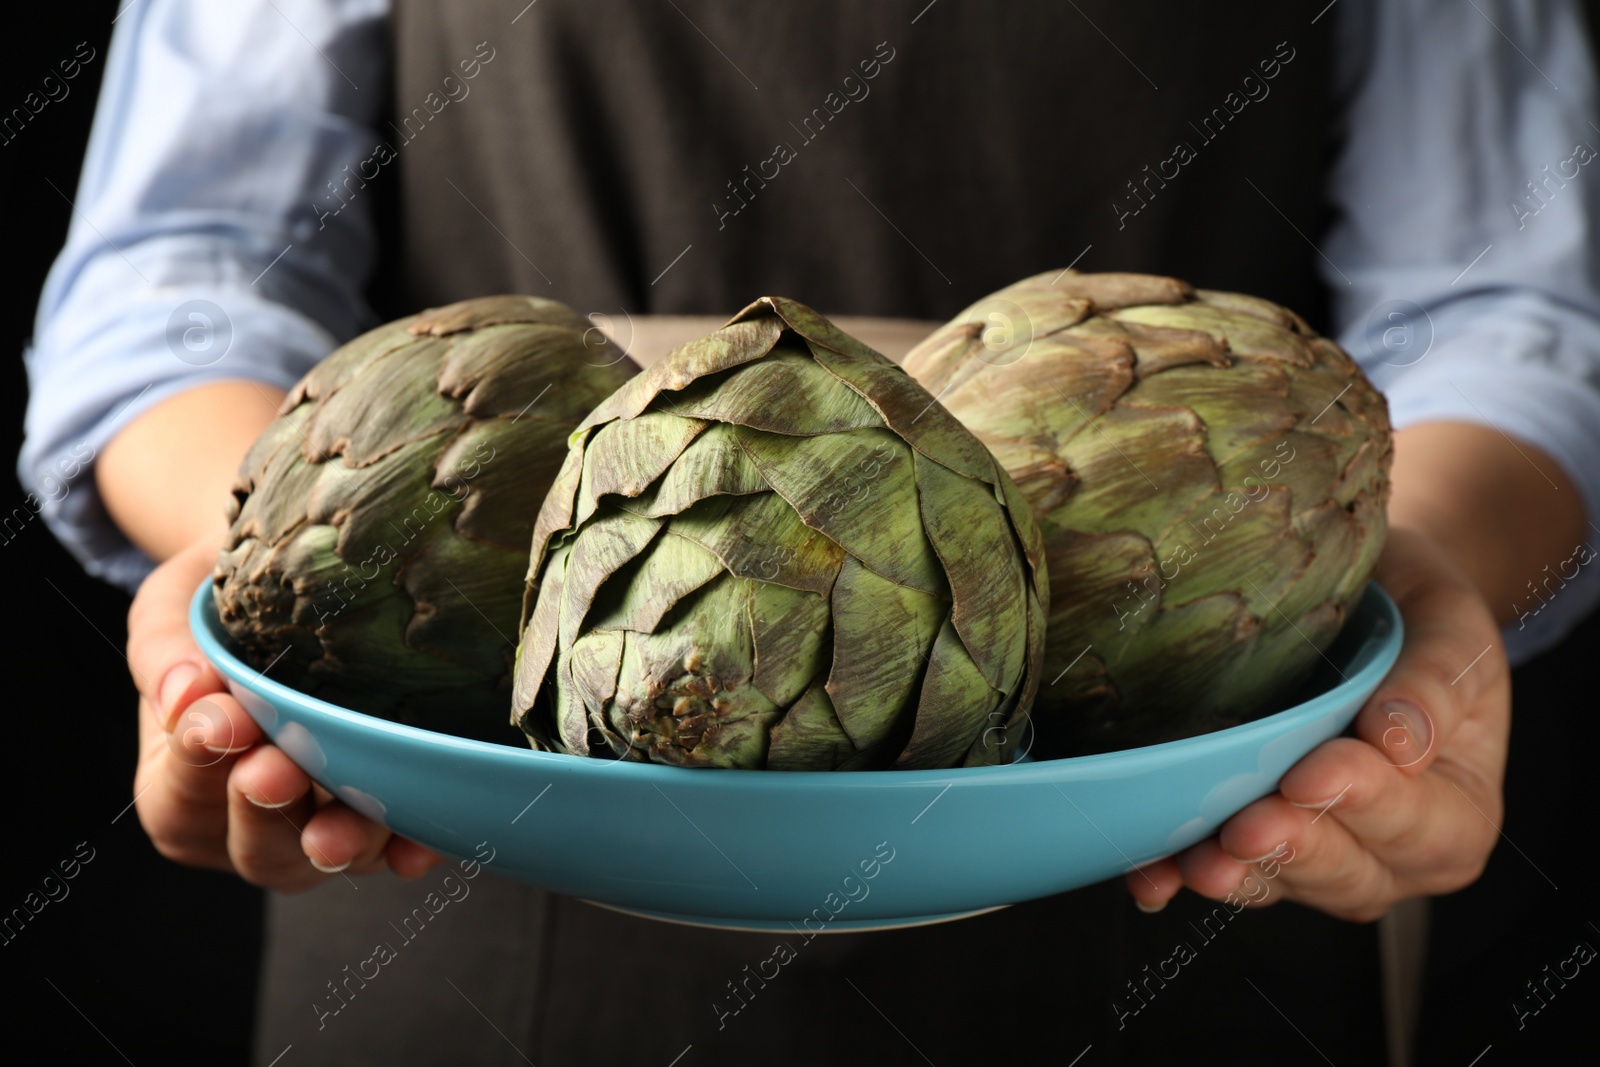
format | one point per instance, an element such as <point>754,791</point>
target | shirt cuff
<point>91,379</point>
<point>1530,379</point>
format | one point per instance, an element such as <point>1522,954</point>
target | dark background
<point>146,962</point>
<point>159,959</point>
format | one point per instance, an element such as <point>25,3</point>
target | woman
<point>245,170</point>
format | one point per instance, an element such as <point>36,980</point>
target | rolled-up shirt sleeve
<point>1463,263</point>
<point>218,231</point>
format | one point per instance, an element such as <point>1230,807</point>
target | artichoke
<point>774,549</point>
<point>380,526</point>
<point>1210,479</point>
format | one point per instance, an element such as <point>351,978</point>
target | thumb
<point>1452,661</point>
<point>166,664</point>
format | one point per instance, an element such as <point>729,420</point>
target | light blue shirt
<point>1463,274</point>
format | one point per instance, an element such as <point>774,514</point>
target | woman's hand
<point>209,791</point>
<point>1411,806</point>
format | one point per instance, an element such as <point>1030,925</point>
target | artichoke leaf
<point>1137,468</point>
<point>910,411</point>
<point>555,517</point>
<point>883,633</point>
<point>486,467</point>
<point>1362,473</point>
<point>1048,312</point>
<point>275,459</point>
<point>985,572</point>
<point>968,347</point>
<point>1110,290</point>
<point>1179,678</point>
<point>360,652</point>
<point>786,393</point>
<point>1306,464</point>
<point>380,511</point>
<point>487,311</point>
<point>1241,406</point>
<point>1334,538</point>
<point>571,717</point>
<point>1043,478</point>
<point>599,549</point>
<point>1157,348</point>
<point>789,626</point>
<point>1114,584</point>
<point>809,736</point>
<point>596,658</point>
<point>348,362</point>
<point>712,465</point>
<point>1264,310</point>
<point>463,610</point>
<point>639,595</point>
<point>364,425</point>
<point>857,487</point>
<point>1283,658</point>
<point>1235,543</point>
<point>731,346</point>
<point>322,583</point>
<point>945,358</point>
<point>955,702</point>
<point>1367,511</point>
<point>538,648</point>
<point>522,371</point>
<point>1008,724</point>
<point>625,456</point>
<point>1026,524</point>
<point>1087,374</point>
<point>1246,336</point>
<point>760,536</point>
<point>815,328</point>
<point>1317,401</point>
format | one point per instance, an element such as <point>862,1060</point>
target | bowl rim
<point>1373,660</point>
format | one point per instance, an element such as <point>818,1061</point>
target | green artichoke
<point>380,526</point>
<point>774,549</point>
<point>1210,478</point>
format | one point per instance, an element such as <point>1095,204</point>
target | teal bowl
<point>809,850</point>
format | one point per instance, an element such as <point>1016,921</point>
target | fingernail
<point>325,869</point>
<point>1410,734</point>
<point>176,683</point>
<point>1149,909</point>
<point>1259,859</point>
<point>258,802</point>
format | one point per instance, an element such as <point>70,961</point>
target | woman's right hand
<point>209,790</point>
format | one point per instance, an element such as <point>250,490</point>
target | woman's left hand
<point>1412,805</point>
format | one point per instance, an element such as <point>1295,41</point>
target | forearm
<point>1502,509</point>
<point>166,476</point>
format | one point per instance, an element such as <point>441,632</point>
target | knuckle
<point>1347,881</point>
<point>1435,666</point>
<point>1447,869</point>
<point>1439,859</point>
<point>1429,852</point>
